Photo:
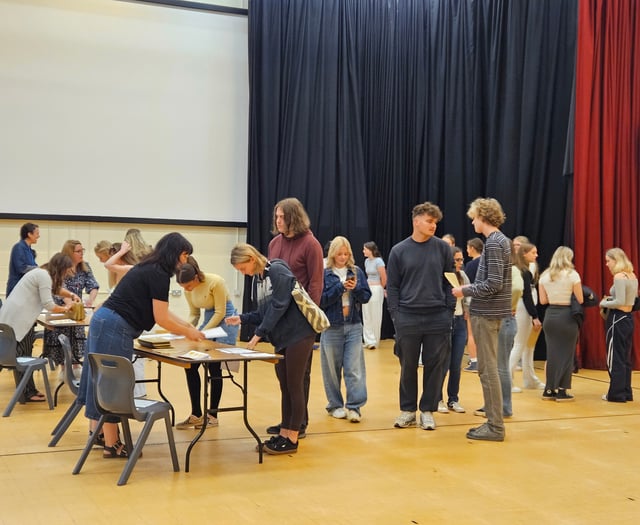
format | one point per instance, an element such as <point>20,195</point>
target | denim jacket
<point>331,301</point>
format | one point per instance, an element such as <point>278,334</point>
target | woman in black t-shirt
<point>140,301</point>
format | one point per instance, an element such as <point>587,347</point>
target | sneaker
<point>480,412</point>
<point>353,416</point>
<point>191,422</point>
<point>563,395</point>
<point>274,430</point>
<point>473,367</point>
<point>405,419</point>
<point>280,445</point>
<point>338,413</point>
<point>426,421</point>
<point>212,421</point>
<point>516,389</point>
<point>302,433</point>
<point>370,347</point>
<point>442,407</point>
<point>455,406</point>
<point>272,439</point>
<point>484,433</point>
<point>549,395</point>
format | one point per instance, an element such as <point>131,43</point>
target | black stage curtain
<point>362,109</point>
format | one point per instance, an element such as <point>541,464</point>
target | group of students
<point>433,317</point>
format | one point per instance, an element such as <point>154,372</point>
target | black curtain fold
<point>362,109</point>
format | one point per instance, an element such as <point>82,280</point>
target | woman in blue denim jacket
<point>345,291</point>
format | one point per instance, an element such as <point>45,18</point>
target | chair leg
<point>18,392</point>
<point>47,387</point>
<point>55,394</point>
<point>88,446</point>
<point>65,423</point>
<point>172,443</point>
<point>137,449</point>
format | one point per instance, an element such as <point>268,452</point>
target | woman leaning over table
<point>207,292</point>
<point>556,285</point>
<point>81,279</point>
<point>619,325</point>
<point>278,318</point>
<point>31,294</point>
<point>140,300</point>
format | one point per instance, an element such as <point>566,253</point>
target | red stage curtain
<point>607,153</point>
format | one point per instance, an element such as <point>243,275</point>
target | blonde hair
<point>337,243</point>
<point>560,262</point>
<point>244,253</point>
<point>622,262</point>
<point>103,248</point>
<point>489,210</point>
<point>139,248</point>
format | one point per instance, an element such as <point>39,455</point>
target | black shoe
<point>275,429</point>
<point>302,433</point>
<point>562,395</point>
<point>549,395</point>
<point>280,445</point>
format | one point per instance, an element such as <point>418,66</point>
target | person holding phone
<point>344,292</point>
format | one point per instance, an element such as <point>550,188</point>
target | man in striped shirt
<point>490,304</point>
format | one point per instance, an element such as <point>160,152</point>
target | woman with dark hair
<point>206,292</point>
<point>279,318</point>
<point>377,279</point>
<point>30,295</point>
<point>23,256</point>
<point>140,300</point>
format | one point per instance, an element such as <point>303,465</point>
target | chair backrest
<point>8,346</point>
<point>69,377</point>
<point>113,383</point>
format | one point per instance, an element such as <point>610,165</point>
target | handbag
<point>311,311</point>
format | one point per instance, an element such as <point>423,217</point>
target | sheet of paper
<point>194,354</point>
<point>237,351</point>
<point>453,280</point>
<point>214,333</point>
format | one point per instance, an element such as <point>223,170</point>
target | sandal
<point>99,442</point>
<point>116,451</point>
<point>36,398</point>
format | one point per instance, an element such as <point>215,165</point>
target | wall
<point>211,249</point>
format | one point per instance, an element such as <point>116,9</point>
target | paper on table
<point>194,354</point>
<point>236,350</point>
<point>452,278</point>
<point>214,333</point>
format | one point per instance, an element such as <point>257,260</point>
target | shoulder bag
<point>311,311</point>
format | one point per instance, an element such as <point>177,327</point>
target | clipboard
<point>452,278</point>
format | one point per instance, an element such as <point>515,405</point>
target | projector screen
<point>121,110</point>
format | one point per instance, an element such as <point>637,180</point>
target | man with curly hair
<point>490,304</point>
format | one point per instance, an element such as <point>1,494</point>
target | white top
<point>559,291</point>
<point>28,298</point>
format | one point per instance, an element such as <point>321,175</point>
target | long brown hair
<point>58,266</point>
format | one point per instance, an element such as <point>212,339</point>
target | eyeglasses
<point>459,260</point>
<point>81,250</point>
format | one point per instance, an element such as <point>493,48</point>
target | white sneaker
<point>353,416</point>
<point>516,389</point>
<point>442,407</point>
<point>405,419</point>
<point>426,421</point>
<point>456,407</point>
<point>338,413</point>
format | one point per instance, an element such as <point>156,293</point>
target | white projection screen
<point>119,110</point>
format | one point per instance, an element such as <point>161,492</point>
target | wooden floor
<point>561,463</point>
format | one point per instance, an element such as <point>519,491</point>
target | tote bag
<point>311,311</point>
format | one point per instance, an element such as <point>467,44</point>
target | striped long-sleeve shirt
<point>491,290</point>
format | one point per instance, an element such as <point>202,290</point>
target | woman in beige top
<point>556,285</point>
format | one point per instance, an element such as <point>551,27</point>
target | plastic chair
<point>113,382</point>
<point>26,365</point>
<point>74,385</point>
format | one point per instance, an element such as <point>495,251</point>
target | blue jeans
<point>485,331</point>
<point>506,336</point>
<point>108,334</point>
<point>458,342</point>
<point>341,351</point>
